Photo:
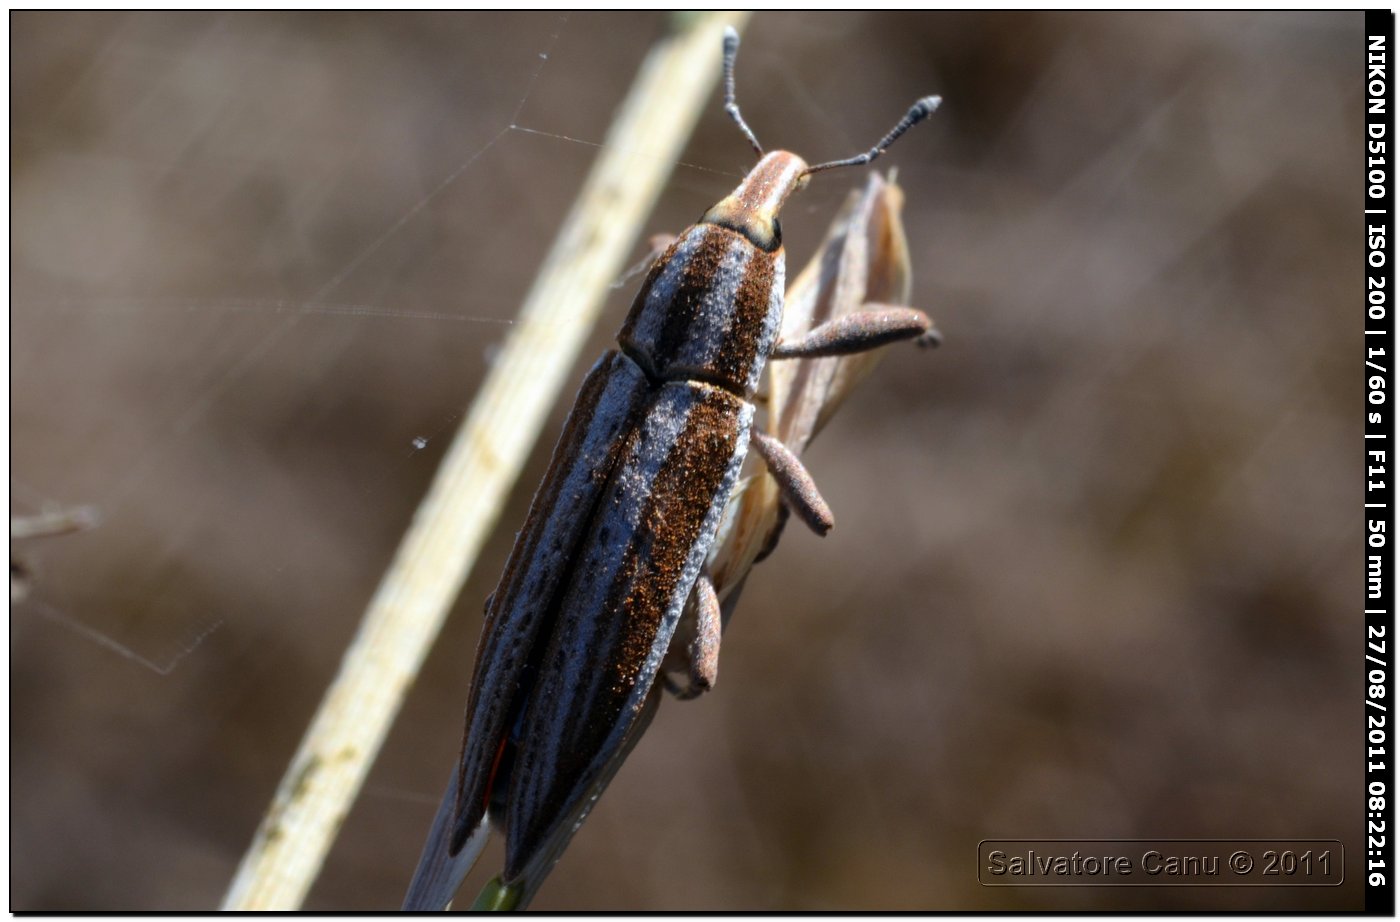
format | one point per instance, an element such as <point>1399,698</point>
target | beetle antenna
<point>917,113</point>
<point>731,51</point>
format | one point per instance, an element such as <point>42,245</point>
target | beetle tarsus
<point>702,653</point>
<point>930,339</point>
<point>876,326</point>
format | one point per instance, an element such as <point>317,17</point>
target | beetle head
<point>752,209</point>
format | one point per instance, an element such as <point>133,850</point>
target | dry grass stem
<point>479,470</point>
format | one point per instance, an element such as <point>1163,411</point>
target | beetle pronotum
<point>618,532</point>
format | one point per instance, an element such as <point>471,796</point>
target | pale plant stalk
<point>462,505</point>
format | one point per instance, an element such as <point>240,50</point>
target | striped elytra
<point>592,593</point>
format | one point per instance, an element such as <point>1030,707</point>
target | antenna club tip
<point>928,105</point>
<point>731,37</point>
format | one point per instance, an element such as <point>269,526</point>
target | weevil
<point>616,539</point>
<point>863,262</point>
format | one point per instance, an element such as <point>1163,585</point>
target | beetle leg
<point>929,339</point>
<point>657,245</point>
<point>859,331</point>
<point>798,489</point>
<point>702,653</point>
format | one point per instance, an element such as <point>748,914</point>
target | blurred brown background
<point>1098,568</point>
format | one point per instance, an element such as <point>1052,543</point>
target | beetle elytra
<point>616,539</point>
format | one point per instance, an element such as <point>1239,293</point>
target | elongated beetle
<point>618,531</point>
